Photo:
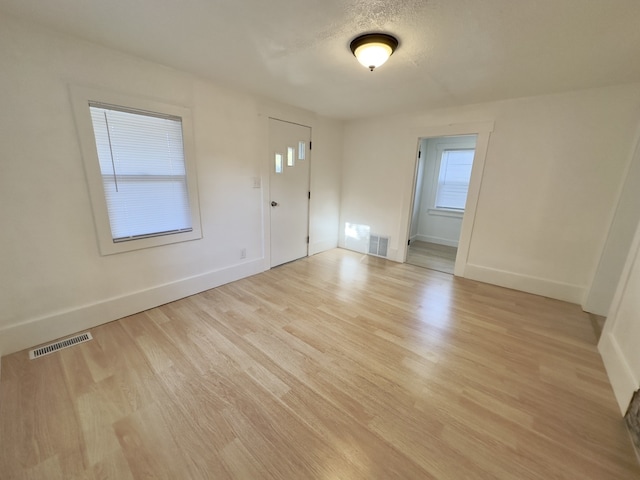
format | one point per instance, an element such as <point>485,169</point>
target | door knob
<point>274,204</point>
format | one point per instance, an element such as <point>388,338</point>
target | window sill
<point>443,212</point>
<point>110,247</point>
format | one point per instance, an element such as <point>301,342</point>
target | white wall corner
<point>625,218</point>
<point>620,374</point>
<point>322,246</point>
<point>526,283</point>
<point>622,322</point>
<point>16,337</point>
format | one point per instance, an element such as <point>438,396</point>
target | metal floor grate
<point>54,347</point>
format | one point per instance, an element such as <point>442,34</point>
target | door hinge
<point>419,153</point>
<point>309,195</point>
<point>307,239</point>
<point>409,242</point>
<point>310,144</point>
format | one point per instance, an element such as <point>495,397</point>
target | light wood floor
<point>337,366</point>
<point>431,255</point>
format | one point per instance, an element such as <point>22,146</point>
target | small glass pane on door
<point>278,163</point>
<point>302,147</point>
<point>290,156</point>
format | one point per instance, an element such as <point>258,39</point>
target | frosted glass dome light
<point>373,49</point>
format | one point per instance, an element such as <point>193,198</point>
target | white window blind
<point>453,179</point>
<point>143,171</point>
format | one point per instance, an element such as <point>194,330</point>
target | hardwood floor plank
<point>437,257</point>
<point>110,466</point>
<point>241,463</point>
<point>334,366</point>
<point>95,417</point>
<point>149,447</point>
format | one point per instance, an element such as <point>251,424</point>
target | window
<point>453,178</point>
<point>140,171</point>
<point>143,173</point>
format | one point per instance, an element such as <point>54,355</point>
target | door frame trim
<point>482,130</point>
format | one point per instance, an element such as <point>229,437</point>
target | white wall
<point>326,171</point>
<point>53,281</point>
<point>621,334</point>
<point>553,170</point>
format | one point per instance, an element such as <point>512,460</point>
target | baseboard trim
<point>16,337</point>
<point>525,283</point>
<point>618,370</point>
<point>438,240</point>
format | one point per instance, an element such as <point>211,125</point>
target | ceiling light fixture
<point>373,49</point>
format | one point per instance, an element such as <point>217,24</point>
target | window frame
<point>81,97</point>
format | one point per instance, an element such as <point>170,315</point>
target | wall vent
<point>378,245</point>
<point>54,347</point>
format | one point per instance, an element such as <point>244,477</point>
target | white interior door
<point>289,147</point>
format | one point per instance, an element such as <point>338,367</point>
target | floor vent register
<point>54,347</point>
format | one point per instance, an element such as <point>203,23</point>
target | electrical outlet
<point>243,253</point>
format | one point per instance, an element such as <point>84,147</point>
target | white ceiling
<point>451,52</point>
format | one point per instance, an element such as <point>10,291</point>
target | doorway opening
<point>443,177</point>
